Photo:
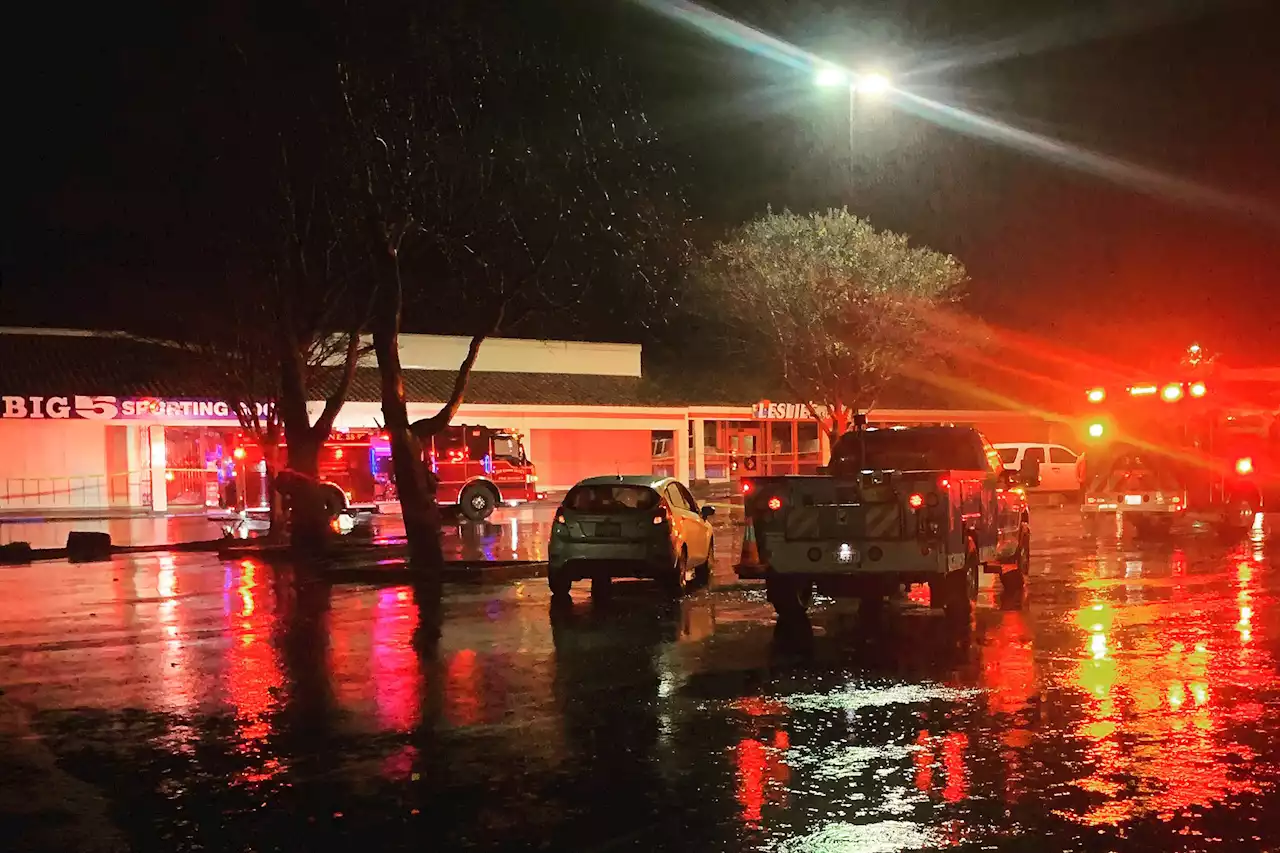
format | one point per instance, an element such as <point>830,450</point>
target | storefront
<point>101,422</point>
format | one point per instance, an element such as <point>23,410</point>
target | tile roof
<point>45,364</point>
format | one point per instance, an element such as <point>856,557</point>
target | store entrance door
<point>746,445</point>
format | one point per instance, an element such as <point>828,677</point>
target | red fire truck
<point>1185,446</point>
<point>478,468</point>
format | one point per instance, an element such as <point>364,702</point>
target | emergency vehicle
<point>1179,448</point>
<point>478,468</point>
<point>896,507</point>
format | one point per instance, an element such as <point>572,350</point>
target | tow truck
<point>896,507</point>
<point>1159,452</point>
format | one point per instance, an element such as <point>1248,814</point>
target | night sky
<point>1146,211</point>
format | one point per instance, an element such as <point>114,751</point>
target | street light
<point>830,75</point>
<point>866,83</point>
<point>872,84</point>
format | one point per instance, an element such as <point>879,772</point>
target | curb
<point>462,573</point>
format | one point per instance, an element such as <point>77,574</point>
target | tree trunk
<point>309,529</point>
<point>414,483</point>
<point>275,500</point>
<point>839,421</point>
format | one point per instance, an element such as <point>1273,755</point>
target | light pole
<point>871,84</point>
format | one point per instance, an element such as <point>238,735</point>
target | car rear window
<point>1007,454</point>
<point>909,450</point>
<point>613,497</point>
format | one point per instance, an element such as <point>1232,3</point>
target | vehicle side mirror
<point>707,511</point>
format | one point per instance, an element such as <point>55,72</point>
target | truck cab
<point>895,507</point>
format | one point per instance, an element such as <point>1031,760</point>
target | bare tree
<point>498,176</point>
<point>276,212</point>
<point>839,308</point>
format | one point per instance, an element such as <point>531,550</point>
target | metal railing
<point>86,491</point>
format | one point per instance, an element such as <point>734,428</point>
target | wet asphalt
<point>181,703</point>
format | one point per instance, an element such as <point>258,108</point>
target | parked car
<point>637,526</point>
<point>1057,464</point>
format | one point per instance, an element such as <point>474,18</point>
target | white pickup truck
<point>895,507</point>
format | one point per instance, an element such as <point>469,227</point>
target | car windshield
<point>910,450</point>
<point>611,497</point>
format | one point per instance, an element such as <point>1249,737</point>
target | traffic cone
<point>749,561</point>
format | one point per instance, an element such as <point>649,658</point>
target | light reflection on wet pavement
<point>1130,704</point>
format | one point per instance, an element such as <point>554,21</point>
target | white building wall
<point>53,464</point>
<point>512,355</point>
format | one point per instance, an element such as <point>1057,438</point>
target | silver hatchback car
<point>630,527</point>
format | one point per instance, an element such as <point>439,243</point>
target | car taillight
<point>660,517</point>
<point>775,503</point>
<point>1244,466</point>
<point>560,519</point>
<point>916,501</point>
<point>746,487</point>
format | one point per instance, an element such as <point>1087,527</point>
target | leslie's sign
<point>107,408</point>
<point>764,410</point>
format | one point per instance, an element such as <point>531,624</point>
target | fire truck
<point>896,507</point>
<point>478,468</point>
<point>1183,447</point>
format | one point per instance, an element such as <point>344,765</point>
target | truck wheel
<point>559,582</point>
<point>960,589</point>
<point>790,597</point>
<point>1023,556</point>
<point>1239,516</point>
<point>477,502</point>
<point>1152,528</point>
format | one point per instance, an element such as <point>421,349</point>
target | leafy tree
<point>838,307</point>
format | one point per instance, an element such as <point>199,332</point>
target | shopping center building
<point>100,421</point>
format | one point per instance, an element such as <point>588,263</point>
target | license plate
<point>846,555</point>
<point>611,531</point>
<point>1133,500</point>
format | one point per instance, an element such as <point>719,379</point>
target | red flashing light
<point>1197,389</point>
<point>1172,392</point>
<point>1143,390</point>
<point>775,503</point>
<point>238,453</point>
<point>1244,466</point>
<point>916,501</point>
<point>337,453</point>
<point>746,487</point>
<point>1097,395</point>
<point>944,484</point>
